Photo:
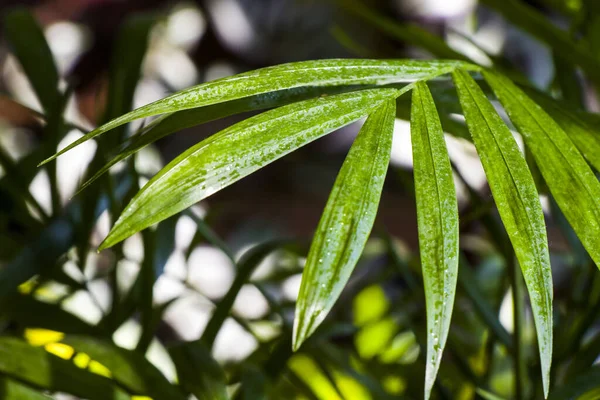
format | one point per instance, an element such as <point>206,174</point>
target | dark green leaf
<point>198,372</point>
<point>238,151</point>
<point>11,389</point>
<point>31,49</point>
<point>585,387</point>
<point>346,222</point>
<point>437,220</point>
<point>518,203</point>
<point>584,133</point>
<point>406,32</point>
<point>250,260</point>
<point>28,311</point>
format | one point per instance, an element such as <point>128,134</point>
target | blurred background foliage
<point>202,304</point>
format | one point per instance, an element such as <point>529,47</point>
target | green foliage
<point>394,346</point>
<point>437,219</point>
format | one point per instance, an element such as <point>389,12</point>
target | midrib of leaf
<point>575,167</point>
<point>209,168</point>
<point>432,221</point>
<point>294,75</point>
<point>535,230</point>
<point>346,223</point>
<point>518,190</point>
<point>566,159</point>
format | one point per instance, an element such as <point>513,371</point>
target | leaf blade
<point>569,178</point>
<point>352,203</point>
<point>437,221</point>
<point>31,49</point>
<point>238,151</point>
<point>334,72</point>
<point>518,203</point>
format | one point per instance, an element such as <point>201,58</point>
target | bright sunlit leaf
<point>437,220</point>
<point>346,222</point>
<point>238,151</point>
<point>518,204</point>
<point>321,73</point>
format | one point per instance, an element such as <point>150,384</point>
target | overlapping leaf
<point>568,176</point>
<point>238,151</point>
<point>437,220</point>
<point>335,72</point>
<point>518,203</point>
<point>346,222</point>
<point>173,122</point>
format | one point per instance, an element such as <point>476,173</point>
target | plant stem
<point>518,319</point>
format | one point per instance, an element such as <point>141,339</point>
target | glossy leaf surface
<point>569,178</point>
<point>238,151</point>
<point>437,220</point>
<point>334,72</point>
<point>346,222</point>
<point>518,203</point>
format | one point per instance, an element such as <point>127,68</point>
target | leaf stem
<point>518,319</point>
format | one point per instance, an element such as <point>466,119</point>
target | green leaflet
<point>335,72</point>
<point>585,134</point>
<point>237,151</point>
<point>437,220</point>
<point>36,367</point>
<point>518,203</point>
<point>568,176</point>
<point>346,222</point>
<point>130,369</point>
<point>173,122</point>
<point>31,49</point>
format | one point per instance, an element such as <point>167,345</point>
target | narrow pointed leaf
<point>346,222</point>
<point>173,122</point>
<point>569,178</point>
<point>31,49</point>
<point>335,72</point>
<point>245,267</point>
<point>238,151</point>
<point>437,220</point>
<point>518,203</point>
<point>584,133</point>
